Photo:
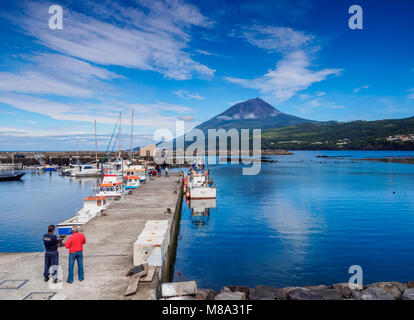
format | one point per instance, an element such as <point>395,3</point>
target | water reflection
<point>200,211</point>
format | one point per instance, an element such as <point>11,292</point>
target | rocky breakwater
<point>339,291</point>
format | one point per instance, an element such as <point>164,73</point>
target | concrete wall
<point>167,270</point>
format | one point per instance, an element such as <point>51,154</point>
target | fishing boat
<point>48,168</point>
<point>84,170</point>
<point>137,171</point>
<point>199,186</point>
<point>132,182</point>
<point>204,192</point>
<point>11,176</point>
<point>111,187</point>
<point>92,206</point>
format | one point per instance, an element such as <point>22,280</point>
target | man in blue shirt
<point>51,254</point>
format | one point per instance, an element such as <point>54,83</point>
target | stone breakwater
<point>339,291</point>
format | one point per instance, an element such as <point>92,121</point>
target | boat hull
<point>11,177</point>
<point>202,193</point>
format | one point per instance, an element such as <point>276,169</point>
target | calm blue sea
<point>303,221</point>
<point>28,206</point>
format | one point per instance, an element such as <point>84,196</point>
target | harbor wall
<point>167,269</point>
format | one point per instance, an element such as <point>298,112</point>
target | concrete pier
<point>108,253</point>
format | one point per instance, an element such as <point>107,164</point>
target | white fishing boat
<point>92,206</point>
<point>132,182</point>
<point>202,193</point>
<point>116,166</point>
<point>84,170</point>
<point>137,171</point>
<point>199,186</point>
<point>197,180</point>
<point>111,187</point>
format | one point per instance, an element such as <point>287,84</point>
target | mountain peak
<point>250,109</point>
<point>249,114</point>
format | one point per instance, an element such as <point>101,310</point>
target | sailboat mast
<point>120,134</point>
<point>96,147</point>
<point>132,134</point>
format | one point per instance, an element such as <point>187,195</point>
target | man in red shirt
<point>75,245</point>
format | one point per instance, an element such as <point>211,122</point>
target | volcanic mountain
<point>251,114</point>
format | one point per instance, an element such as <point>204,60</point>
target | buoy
<point>188,194</point>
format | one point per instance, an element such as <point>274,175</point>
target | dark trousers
<point>51,259</point>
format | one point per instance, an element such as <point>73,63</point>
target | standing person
<point>166,172</point>
<point>51,254</point>
<point>75,245</point>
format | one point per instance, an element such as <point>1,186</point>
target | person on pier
<point>52,254</point>
<point>75,245</point>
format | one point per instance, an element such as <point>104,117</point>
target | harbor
<point>108,254</point>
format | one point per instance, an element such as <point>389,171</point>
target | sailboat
<point>10,166</point>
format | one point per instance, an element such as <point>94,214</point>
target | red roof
<point>95,198</point>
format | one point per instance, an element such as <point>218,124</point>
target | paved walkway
<point>107,254</point>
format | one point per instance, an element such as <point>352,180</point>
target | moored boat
<point>85,170</point>
<point>11,176</point>
<point>111,187</point>
<point>92,206</point>
<point>202,193</point>
<point>137,171</point>
<point>132,182</point>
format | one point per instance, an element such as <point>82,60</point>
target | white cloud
<point>318,102</point>
<point>75,68</point>
<point>152,37</point>
<point>204,52</point>
<point>277,39</point>
<point>153,115</point>
<point>291,75</point>
<point>188,95</point>
<point>40,83</point>
<point>293,72</point>
<point>356,90</point>
<point>411,95</point>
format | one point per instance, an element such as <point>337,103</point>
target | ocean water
<point>29,206</point>
<point>303,221</point>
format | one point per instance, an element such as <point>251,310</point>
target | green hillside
<point>360,135</point>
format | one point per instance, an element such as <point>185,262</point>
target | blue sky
<point>181,60</point>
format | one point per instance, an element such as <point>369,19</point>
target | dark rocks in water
<point>303,294</point>
<point>396,289</point>
<point>205,294</point>
<point>372,293</point>
<point>408,294</point>
<point>244,289</point>
<point>231,296</point>
<point>392,290</point>
<point>314,294</point>
<point>344,289</point>
<point>266,293</point>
